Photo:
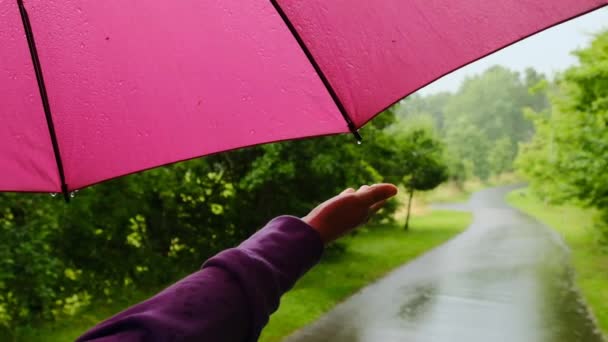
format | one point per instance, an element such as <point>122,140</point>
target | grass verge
<point>575,225</point>
<point>368,255</point>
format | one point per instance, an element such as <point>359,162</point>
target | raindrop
<point>358,142</point>
<point>72,194</point>
<point>53,194</point>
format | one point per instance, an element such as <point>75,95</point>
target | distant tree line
<point>482,123</point>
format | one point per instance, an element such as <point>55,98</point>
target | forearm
<point>231,298</point>
<point>198,307</point>
<point>269,263</point>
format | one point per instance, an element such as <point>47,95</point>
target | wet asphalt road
<point>507,278</point>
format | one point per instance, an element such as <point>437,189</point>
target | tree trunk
<point>409,209</point>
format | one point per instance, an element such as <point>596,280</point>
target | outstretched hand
<point>344,212</point>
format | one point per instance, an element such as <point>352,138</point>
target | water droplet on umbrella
<point>53,194</point>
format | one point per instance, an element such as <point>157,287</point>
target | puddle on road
<point>419,303</point>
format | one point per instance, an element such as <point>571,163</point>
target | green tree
<point>424,164</point>
<point>500,156</point>
<point>430,108</point>
<point>567,158</point>
<point>484,120</point>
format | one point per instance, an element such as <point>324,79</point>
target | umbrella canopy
<point>91,90</point>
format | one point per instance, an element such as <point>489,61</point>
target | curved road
<point>506,278</point>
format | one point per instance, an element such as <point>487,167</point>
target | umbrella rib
<point>351,125</point>
<point>43,95</point>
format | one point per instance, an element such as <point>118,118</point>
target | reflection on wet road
<point>505,279</point>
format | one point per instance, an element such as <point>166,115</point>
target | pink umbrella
<point>92,90</point>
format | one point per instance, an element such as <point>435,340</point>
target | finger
<point>377,193</point>
<point>363,188</point>
<point>374,208</point>
<point>347,191</point>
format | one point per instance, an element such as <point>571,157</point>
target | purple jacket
<point>230,298</point>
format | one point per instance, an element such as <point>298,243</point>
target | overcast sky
<point>548,51</point>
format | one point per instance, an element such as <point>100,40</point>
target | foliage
<point>31,277</point>
<point>482,123</point>
<point>566,159</point>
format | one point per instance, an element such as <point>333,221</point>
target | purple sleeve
<point>230,298</point>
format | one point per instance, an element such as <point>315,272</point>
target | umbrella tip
<point>357,136</point>
<point>66,193</point>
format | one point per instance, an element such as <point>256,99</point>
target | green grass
<point>575,225</point>
<point>70,328</point>
<point>368,256</point>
